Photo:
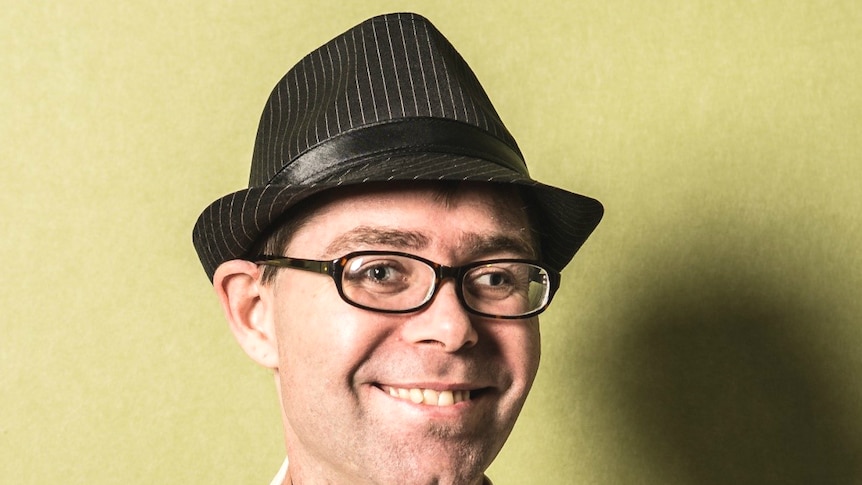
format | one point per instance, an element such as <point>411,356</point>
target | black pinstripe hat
<point>389,100</point>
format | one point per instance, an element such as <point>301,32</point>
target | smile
<point>429,397</point>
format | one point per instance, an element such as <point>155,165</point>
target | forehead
<point>416,216</point>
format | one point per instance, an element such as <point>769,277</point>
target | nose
<point>444,322</point>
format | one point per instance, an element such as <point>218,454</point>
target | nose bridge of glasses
<point>446,272</point>
<point>441,274</point>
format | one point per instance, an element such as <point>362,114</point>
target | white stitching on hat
<point>382,70</point>
<point>395,71</point>
<point>230,211</point>
<point>422,70</point>
<point>409,71</point>
<point>434,70</point>
<point>368,72</point>
<point>242,216</point>
<point>358,89</point>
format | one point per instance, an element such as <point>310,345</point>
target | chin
<point>447,462</point>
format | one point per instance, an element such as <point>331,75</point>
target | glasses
<point>394,282</point>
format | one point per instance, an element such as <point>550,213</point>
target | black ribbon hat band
<point>419,135</point>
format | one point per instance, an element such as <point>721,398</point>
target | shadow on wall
<point>716,382</point>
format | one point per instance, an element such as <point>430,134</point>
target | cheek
<point>303,325</point>
<point>532,349</point>
<point>320,337</point>
<point>519,344</point>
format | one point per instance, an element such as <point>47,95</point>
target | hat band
<point>417,135</point>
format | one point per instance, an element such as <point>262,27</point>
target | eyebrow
<point>479,245</point>
<point>365,236</point>
<point>476,245</point>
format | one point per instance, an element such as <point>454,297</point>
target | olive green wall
<point>708,333</point>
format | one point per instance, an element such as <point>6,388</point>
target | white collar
<point>281,475</point>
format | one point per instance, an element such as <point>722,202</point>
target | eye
<point>377,274</point>
<point>498,281</point>
<point>380,273</point>
<point>490,283</point>
<point>492,279</point>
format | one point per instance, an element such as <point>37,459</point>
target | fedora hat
<point>390,100</point>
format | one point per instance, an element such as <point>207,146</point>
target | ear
<point>247,305</point>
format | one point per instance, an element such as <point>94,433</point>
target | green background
<point>709,332</point>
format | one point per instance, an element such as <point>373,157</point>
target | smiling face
<point>420,398</point>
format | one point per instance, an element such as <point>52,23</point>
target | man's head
<point>373,397</point>
<point>389,258</point>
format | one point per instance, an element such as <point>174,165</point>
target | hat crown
<point>388,69</point>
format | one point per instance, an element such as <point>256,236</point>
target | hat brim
<point>229,227</point>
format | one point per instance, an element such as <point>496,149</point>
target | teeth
<point>447,398</point>
<point>429,397</point>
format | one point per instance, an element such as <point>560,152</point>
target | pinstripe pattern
<point>321,128</point>
<point>387,68</point>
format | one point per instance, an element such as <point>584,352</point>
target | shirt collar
<point>282,474</point>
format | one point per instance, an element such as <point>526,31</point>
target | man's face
<point>349,378</point>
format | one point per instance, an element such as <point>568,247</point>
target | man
<point>389,260</point>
